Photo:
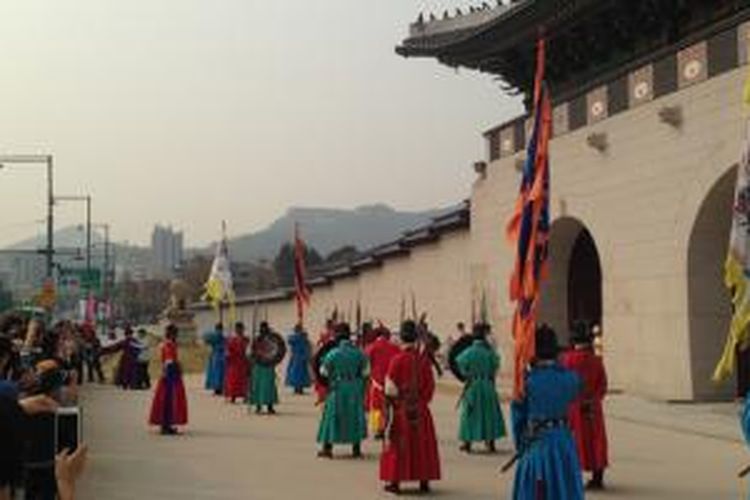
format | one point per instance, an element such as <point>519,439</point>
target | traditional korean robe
<point>481,415</point>
<point>745,422</point>
<point>548,467</point>
<point>380,354</point>
<point>343,420</point>
<point>126,373</point>
<point>411,449</point>
<point>216,366</point>
<point>169,406</point>
<point>298,368</point>
<point>263,383</point>
<point>237,367</point>
<point>586,415</point>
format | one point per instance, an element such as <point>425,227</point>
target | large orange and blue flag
<point>528,229</point>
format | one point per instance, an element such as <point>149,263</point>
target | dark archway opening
<point>574,289</point>
<point>709,304</point>
<point>584,282</point>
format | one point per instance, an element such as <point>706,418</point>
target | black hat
<point>481,330</point>
<point>408,332</point>
<point>239,326</point>
<point>343,331</point>
<point>581,333</point>
<point>546,343</point>
<point>171,331</point>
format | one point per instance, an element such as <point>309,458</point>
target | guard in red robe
<point>238,366</point>
<point>380,352</point>
<point>411,450</point>
<point>169,406</point>
<point>326,336</point>
<point>586,416</point>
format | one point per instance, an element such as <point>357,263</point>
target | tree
<point>195,273</point>
<point>283,264</point>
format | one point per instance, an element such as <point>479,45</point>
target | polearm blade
<point>510,463</point>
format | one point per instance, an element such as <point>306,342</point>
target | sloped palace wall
<point>656,202</point>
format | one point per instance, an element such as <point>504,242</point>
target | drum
<point>318,361</point>
<point>269,349</point>
<point>456,349</point>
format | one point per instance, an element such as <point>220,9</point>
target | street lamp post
<point>105,282</point>
<point>86,199</point>
<point>40,160</point>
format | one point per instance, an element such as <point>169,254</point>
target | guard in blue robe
<point>216,365</point>
<point>298,369</point>
<point>746,424</point>
<point>548,467</point>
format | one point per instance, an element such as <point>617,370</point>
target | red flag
<point>528,228</point>
<point>301,292</point>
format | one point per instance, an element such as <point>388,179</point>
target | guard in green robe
<point>481,415</point>
<point>262,385</point>
<point>343,420</point>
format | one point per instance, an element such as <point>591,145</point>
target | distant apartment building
<point>22,274</point>
<point>166,252</point>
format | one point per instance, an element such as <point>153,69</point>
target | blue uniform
<point>298,369</point>
<point>549,462</point>
<point>746,422</point>
<point>216,365</point>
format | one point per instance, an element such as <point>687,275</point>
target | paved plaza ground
<point>659,451</point>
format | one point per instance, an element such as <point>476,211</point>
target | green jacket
<point>481,415</point>
<point>343,420</point>
<point>263,386</point>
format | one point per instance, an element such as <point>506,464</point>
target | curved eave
<point>445,45</point>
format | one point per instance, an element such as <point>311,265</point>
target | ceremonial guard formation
<point>298,368</point>
<point>411,450</point>
<point>169,406</point>
<point>267,351</point>
<point>586,414</point>
<point>217,359</point>
<point>237,365</point>
<point>477,366</point>
<point>380,352</point>
<point>548,465</point>
<point>344,368</point>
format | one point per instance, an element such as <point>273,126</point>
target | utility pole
<point>87,200</point>
<point>48,161</point>
<point>50,218</point>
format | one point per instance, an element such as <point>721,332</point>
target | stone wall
<point>436,273</point>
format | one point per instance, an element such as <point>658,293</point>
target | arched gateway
<point>708,299</point>
<point>574,289</point>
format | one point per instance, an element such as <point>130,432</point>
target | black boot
<point>356,450</point>
<point>597,480</point>
<point>257,410</point>
<point>326,451</point>
<point>393,488</point>
<point>465,447</point>
<point>271,411</point>
<point>424,486</point>
<point>491,447</point>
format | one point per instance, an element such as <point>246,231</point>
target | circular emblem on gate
<point>641,90</point>
<point>597,109</point>
<point>692,69</point>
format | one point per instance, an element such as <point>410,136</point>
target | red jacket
<point>380,353</point>
<point>235,381</point>
<point>586,414</point>
<point>411,450</point>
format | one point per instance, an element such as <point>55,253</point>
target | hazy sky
<point>193,111</point>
